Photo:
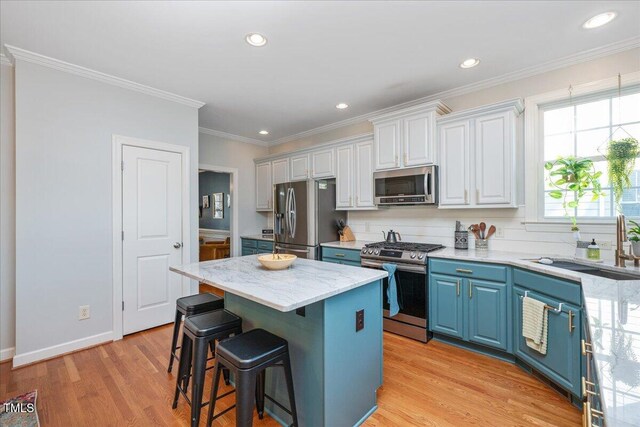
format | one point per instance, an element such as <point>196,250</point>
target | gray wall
<point>7,215</point>
<point>209,183</point>
<point>64,129</point>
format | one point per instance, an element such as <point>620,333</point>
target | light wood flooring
<point>125,383</point>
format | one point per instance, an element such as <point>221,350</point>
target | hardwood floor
<point>126,383</point>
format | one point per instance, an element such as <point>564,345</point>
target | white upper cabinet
<point>454,163</point>
<point>364,175</point>
<point>387,140</point>
<point>300,167</point>
<point>280,170</point>
<point>406,138</point>
<point>481,160</point>
<point>344,177</point>
<point>323,164</point>
<point>264,187</point>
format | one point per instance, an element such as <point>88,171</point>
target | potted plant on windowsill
<point>634,237</point>
<point>571,179</point>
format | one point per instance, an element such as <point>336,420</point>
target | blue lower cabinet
<point>488,317</point>
<point>562,363</point>
<point>446,305</point>
<point>252,247</point>
<point>341,256</point>
<point>249,251</point>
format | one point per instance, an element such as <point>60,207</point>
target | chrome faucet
<point>621,237</point>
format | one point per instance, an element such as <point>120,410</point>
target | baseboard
<point>7,354</point>
<point>60,349</point>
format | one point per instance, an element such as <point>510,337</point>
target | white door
<point>152,236</point>
<point>264,188</point>
<point>387,144</point>
<point>323,164</point>
<point>364,175</point>
<point>280,169</point>
<point>454,163</point>
<point>418,139</point>
<point>300,168</point>
<point>494,139</point>
<point>344,177</point>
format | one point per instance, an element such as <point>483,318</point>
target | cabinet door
<point>445,305</point>
<point>494,151</point>
<point>487,320</point>
<point>418,140</point>
<point>280,169</point>
<point>323,164</point>
<point>300,167</point>
<point>454,163</point>
<point>263,186</point>
<point>344,177</point>
<point>562,363</point>
<point>387,144</point>
<point>364,174</point>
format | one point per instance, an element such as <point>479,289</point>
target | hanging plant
<point>621,159</point>
<point>572,177</point>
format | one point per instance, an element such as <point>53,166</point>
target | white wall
<point>7,214</point>
<point>64,128</point>
<point>433,225</point>
<point>218,151</point>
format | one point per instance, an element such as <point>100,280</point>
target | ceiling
<point>371,55</point>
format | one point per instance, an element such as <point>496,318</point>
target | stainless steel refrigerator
<point>305,215</point>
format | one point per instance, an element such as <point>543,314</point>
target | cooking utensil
<point>483,227</point>
<point>474,228</point>
<point>491,231</point>
<point>392,236</point>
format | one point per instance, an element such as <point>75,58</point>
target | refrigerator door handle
<point>305,251</point>
<point>292,230</point>
<point>286,211</point>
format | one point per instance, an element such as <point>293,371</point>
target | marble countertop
<point>613,313</point>
<point>305,282</point>
<point>266,237</point>
<point>355,245</point>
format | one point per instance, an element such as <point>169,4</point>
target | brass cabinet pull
<point>340,255</point>
<point>464,270</point>
<point>571,325</point>
<point>585,392</point>
<point>470,289</point>
<point>584,346</point>
<point>588,422</point>
<point>458,287</point>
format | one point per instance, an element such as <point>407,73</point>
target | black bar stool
<point>188,306</point>
<point>200,332</point>
<point>247,356</point>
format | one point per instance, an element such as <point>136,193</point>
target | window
<point>581,128</point>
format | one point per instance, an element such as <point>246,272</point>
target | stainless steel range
<point>412,284</point>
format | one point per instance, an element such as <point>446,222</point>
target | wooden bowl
<point>276,262</point>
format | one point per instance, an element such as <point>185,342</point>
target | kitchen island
<point>336,368</point>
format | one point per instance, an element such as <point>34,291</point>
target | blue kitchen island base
<point>336,369</point>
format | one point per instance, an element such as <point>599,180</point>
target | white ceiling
<point>371,55</point>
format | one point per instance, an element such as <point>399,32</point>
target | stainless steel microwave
<point>414,186</point>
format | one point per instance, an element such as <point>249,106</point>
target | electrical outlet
<point>604,244</point>
<point>499,232</point>
<point>84,312</point>
<point>359,320</point>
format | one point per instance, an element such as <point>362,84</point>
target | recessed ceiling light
<point>264,132</point>
<point>342,106</point>
<point>469,63</point>
<point>255,39</point>
<point>599,20</point>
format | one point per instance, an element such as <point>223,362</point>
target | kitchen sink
<point>591,270</point>
<point>612,274</point>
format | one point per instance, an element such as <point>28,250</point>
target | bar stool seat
<point>252,348</point>
<point>189,306</point>
<point>212,322</point>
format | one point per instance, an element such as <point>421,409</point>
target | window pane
<point>598,208</point>
<point>626,109</point>
<point>592,115</point>
<point>553,207</point>
<point>559,145</point>
<point>592,143</point>
<point>558,121</point>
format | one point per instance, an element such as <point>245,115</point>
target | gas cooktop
<point>415,253</point>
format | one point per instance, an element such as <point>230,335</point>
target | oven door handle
<point>400,267</point>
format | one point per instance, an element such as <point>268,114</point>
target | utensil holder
<point>461,240</point>
<point>482,244</point>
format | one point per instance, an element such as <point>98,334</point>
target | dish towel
<point>534,324</point>
<point>392,289</point>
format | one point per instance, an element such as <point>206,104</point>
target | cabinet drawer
<point>341,254</point>
<point>248,243</point>
<point>265,245</point>
<point>248,251</point>
<point>496,273</point>
<point>556,288</point>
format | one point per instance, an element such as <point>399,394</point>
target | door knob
<point>177,245</point>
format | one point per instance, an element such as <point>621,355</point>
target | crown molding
<point>232,137</point>
<point>567,61</point>
<point>354,139</point>
<point>516,105</point>
<point>36,58</point>
<point>4,60</point>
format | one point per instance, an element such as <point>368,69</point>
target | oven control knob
<point>377,252</point>
<point>420,256</point>
<point>413,255</point>
<point>370,251</point>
